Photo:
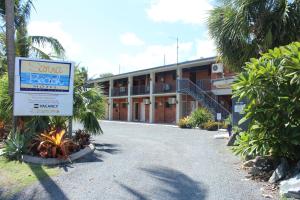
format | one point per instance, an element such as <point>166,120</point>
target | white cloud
<point>99,66</point>
<point>153,56</point>
<point>55,30</point>
<point>186,11</point>
<point>131,39</point>
<point>205,48</point>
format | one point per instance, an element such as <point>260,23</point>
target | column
<point>129,100</point>
<point>110,100</point>
<point>152,98</point>
<point>178,98</point>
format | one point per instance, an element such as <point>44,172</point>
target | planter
<point>54,161</point>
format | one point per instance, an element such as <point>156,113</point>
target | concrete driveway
<point>143,162</point>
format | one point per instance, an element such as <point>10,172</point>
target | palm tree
<point>10,44</point>
<point>243,29</point>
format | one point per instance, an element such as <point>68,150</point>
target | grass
<point>15,176</point>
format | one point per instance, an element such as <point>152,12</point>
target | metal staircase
<point>185,86</point>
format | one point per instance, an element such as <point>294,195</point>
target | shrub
<point>200,116</point>
<point>212,125</point>
<point>15,145</point>
<point>185,122</point>
<point>271,85</point>
<point>82,138</point>
<point>53,144</point>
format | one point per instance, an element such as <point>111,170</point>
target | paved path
<point>143,162</point>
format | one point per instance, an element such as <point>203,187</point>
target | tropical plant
<point>271,84</point>
<point>5,101</point>
<point>185,122</point>
<point>16,145</point>
<point>53,144</point>
<point>82,138</point>
<point>200,116</point>
<point>243,29</point>
<point>89,103</point>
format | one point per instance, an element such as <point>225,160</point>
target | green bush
<point>200,116</point>
<point>16,145</point>
<point>272,86</point>
<point>185,122</point>
<point>212,125</point>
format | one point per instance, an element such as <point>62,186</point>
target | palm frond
<point>42,41</point>
<point>39,53</point>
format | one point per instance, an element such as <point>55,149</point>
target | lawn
<point>14,176</point>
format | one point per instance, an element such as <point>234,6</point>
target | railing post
<point>110,100</point>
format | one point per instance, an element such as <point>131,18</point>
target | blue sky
<point>135,34</point>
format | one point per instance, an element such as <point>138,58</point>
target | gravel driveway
<point>143,162</point>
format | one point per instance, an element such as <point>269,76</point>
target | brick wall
<point>164,113</point>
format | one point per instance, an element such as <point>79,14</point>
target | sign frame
<point>47,92</point>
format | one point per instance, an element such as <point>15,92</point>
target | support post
<point>152,98</point>
<point>110,100</point>
<point>178,97</point>
<point>129,100</point>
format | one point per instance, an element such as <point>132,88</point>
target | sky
<point>125,35</point>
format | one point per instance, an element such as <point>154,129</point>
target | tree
<point>10,44</point>
<point>104,75</point>
<point>243,29</point>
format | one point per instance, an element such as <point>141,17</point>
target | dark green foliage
<point>243,29</point>
<point>272,86</point>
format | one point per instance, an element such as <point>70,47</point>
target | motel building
<point>167,93</point>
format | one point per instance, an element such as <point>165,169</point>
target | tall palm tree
<point>243,29</point>
<point>10,44</point>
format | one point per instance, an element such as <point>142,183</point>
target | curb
<point>54,161</point>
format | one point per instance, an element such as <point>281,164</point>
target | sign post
<point>43,87</point>
<point>219,118</point>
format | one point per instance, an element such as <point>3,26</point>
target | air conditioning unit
<point>122,89</point>
<point>146,101</point>
<point>172,100</point>
<point>217,68</point>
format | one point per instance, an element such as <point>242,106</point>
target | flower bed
<point>54,161</point>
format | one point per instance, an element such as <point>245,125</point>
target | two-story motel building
<point>167,93</point>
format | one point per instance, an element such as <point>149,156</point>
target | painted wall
<point>120,109</point>
<point>164,113</point>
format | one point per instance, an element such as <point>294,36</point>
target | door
<point>142,112</point>
<point>193,77</point>
<point>136,111</point>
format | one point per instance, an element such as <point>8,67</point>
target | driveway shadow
<point>173,184</point>
<point>108,148</point>
<point>176,184</point>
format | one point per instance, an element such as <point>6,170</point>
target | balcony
<point>121,91</point>
<point>204,84</point>
<point>223,83</point>
<point>165,88</point>
<point>140,90</point>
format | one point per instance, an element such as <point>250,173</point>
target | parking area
<point>146,161</point>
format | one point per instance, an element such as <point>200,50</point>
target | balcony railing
<point>140,90</point>
<point>165,87</point>
<point>121,91</point>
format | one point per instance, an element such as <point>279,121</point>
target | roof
<point>186,64</point>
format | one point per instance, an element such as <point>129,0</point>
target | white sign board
<point>219,116</point>
<point>43,88</point>
<point>239,108</point>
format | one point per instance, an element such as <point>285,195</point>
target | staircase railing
<point>188,87</point>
